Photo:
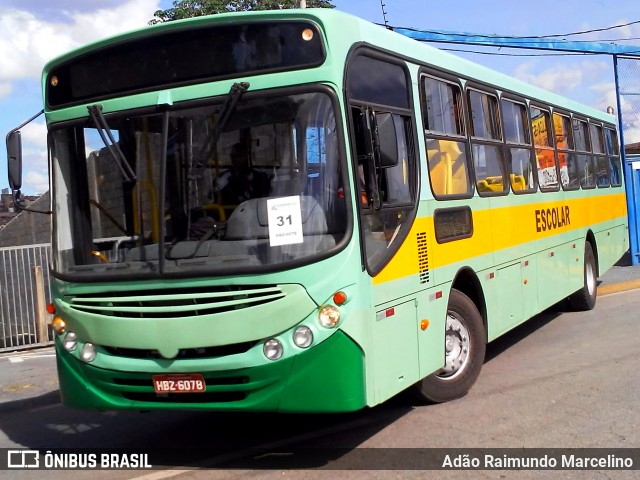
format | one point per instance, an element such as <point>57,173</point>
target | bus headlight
<point>303,337</point>
<point>272,349</point>
<point>329,316</point>
<point>88,352</point>
<point>70,341</point>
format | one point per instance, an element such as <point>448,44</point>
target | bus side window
<point>586,163</point>
<point>613,152</point>
<point>447,151</point>
<point>601,160</point>
<point>520,159</point>
<point>545,153</point>
<point>487,143</point>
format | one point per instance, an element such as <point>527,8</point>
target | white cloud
<point>5,89</point>
<point>35,134</point>
<point>561,78</point>
<point>625,32</point>
<point>36,182</point>
<point>606,92</point>
<point>28,42</point>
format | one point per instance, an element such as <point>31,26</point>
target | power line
<point>519,54</point>
<point>517,37</point>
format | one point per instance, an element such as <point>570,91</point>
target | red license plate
<point>179,383</point>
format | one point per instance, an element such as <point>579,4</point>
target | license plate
<point>181,383</point>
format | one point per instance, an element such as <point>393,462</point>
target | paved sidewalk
<point>29,379</point>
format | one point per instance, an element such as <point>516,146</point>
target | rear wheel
<point>464,353</point>
<point>585,298</point>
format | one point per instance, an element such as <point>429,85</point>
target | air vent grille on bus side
<point>173,303</point>
<point>423,257</point>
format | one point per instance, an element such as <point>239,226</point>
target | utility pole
<point>303,3</point>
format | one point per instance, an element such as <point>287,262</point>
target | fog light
<point>329,316</point>
<point>70,341</point>
<point>88,352</point>
<point>58,324</point>
<point>303,337</point>
<point>272,349</point>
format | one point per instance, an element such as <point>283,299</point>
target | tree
<point>196,8</point>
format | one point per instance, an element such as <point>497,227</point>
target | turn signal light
<point>339,298</point>
<point>58,324</point>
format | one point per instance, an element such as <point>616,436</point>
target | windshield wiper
<point>228,107</point>
<point>234,95</point>
<point>107,137</point>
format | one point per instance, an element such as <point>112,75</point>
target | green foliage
<point>196,8</point>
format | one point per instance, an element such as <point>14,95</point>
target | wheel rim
<point>591,277</point>
<point>456,344</point>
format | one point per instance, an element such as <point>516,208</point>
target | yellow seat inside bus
<point>447,167</point>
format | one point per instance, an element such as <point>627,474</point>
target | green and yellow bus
<point>300,211</point>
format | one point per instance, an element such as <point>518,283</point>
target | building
<point>21,227</point>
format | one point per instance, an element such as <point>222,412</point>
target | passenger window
<point>586,163</point>
<point>601,160</point>
<point>447,151</point>
<point>448,170</point>
<point>485,121</point>
<point>545,154</point>
<point>613,153</point>
<point>520,158</point>
<point>488,160</point>
<point>567,160</point>
<point>522,167</point>
<point>489,168</point>
<point>516,123</point>
<point>596,139</point>
<point>443,107</point>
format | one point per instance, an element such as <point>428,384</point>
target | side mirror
<point>387,141</point>
<point>14,159</point>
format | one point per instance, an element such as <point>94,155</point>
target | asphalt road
<point>561,380</point>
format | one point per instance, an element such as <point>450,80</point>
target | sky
<point>35,31</point>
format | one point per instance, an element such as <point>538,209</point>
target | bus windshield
<point>212,188</point>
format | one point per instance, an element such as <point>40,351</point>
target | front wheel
<point>464,353</point>
<point>585,298</point>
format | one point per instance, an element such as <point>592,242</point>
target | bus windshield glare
<point>210,189</point>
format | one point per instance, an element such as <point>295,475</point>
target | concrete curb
<point>618,287</point>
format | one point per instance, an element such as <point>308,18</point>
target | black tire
<point>454,382</point>
<point>585,298</point>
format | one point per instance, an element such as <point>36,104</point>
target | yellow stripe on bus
<point>501,228</point>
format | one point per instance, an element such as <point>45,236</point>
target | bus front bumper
<point>326,378</point>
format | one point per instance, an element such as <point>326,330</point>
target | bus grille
<point>183,353</point>
<point>175,303</point>
<point>206,397</point>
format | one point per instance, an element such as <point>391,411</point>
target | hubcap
<point>456,348</point>
<point>591,278</point>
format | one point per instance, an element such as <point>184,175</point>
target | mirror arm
<point>26,122</point>
<point>17,202</point>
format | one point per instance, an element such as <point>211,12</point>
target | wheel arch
<point>591,238</point>
<point>467,282</point>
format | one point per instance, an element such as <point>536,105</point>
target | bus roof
<point>343,31</point>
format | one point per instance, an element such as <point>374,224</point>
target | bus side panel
<point>611,246</point>
<point>395,347</point>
